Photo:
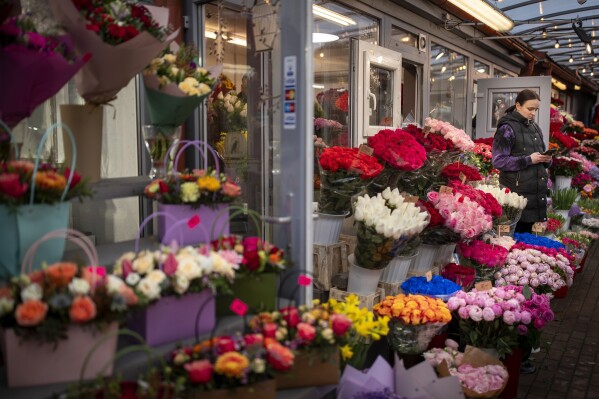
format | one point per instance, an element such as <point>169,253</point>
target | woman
<point>517,153</point>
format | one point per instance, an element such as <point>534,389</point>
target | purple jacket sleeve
<point>502,148</point>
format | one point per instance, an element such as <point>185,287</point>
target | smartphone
<point>551,152</point>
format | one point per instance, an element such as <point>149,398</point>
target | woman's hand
<point>537,157</point>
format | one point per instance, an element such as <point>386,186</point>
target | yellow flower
<point>231,364</point>
<point>189,192</point>
<point>170,58</point>
<point>346,352</point>
<point>51,180</point>
<point>208,183</point>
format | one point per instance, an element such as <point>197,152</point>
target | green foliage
<point>564,199</point>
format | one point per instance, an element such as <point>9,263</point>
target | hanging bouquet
<point>459,171</point>
<point>481,157</point>
<point>462,275</point>
<point>565,166</point>
<point>50,183</point>
<point>176,85</point>
<point>381,225</point>
<point>462,215</point>
<point>201,187</point>
<point>115,32</point>
<point>399,152</point>
<point>228,362</point>
<point>458,137</point>
<point>554,223</point>
<point>34,67</point>
<point>484,199</point>
<point>438,286</point>
<point>344,173</point>
<point>511,203</point>
<point>365,328</point>
<point>252,254</point>
<point>484,258</point>
<point>491,319</point>
<point>436,233</point>
<point>42,305</point>
<point>176,271</point>
<point>415,320</point>
<point>563,141</point>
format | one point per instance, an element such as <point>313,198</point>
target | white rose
<point>6,306</point>
<point>170,58</point>
<point>150,289</point>
<point>244,113</point>
<point>174,71</point>
<point>180,284</point>
<point>114,284</point>
<point>221,266</point>
<point>188,267</point>
<point>144,264</point>
<point>220,96</point>
<point>132,279</point>
<point>327,334</point>
<point>201,70</point>
<point>229,108</point>
<point>79,286</point>
<point>31,293</point>
<point>258,366</point>
<point>157,276</point>
<point>203,88</point>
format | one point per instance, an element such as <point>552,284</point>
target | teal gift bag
<point>22,225</point>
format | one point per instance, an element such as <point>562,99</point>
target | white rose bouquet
<point>511,203</point>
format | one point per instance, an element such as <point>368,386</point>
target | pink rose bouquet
<point>462,215</point>
<point>458,137</point>
<point>483,257</point>
<point>484,199</point>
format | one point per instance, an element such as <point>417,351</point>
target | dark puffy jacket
<point>531,181</point>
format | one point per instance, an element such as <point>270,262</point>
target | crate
<point>367,301</point>
<point>412,273</point>
<point>329,260</point>
<point>390,288</point>
<point>350,240</point>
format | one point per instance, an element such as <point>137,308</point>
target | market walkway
<point>568,363</point>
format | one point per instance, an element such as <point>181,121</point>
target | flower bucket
<point>258,291</point>
<point>361,280</point>
<point>411,339</point>
<point>425,260</point>
<point>214,220</point>
<point>327,228</point>
<point>29,363</point>
<point>562,182</point>
<point>260,390</point>
<point>397,269</point>
<point>512,363</point>
<point>310,370</point>
<point>445,254</point>
<point>561,293</point>
<point>172,319</point>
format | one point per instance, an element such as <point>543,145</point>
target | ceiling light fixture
<point>584,70</point>
<point>332,16</point>
<point>443,69</point>
<point>571,60</point>
<point>318,37</point>
<point>485,13</point>
<point>556,45</point>
<point>582,35</point>
<point>595,59</point>
<point>441,54</point>
<point>481,70</point>
<point>544,33</point>
<point>592,73</point>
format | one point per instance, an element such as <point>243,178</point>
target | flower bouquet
<point>415,320</point>
<point>176,283</point>
<point>586,164</point>
<point>491,319</point>
<point>462,215</point>
<point>34,200</point>
<point>540,310</point>
<point>564,141</point>
<point>436,233</point>
<point>437,287</point>
<point>511,203</point>
<point>554,223</point>
<point>327,129</point>
<point>485,199</point>
<point>461,275</point>
<point>399,152</point>
<point>240,365</point>
<point>459,171</point>
<point>534,240</point>
<point>260,264</point>
<point>365,329</point>
<point>34,67</point>
<point>481,157</point>
<point>315,334</point>
<point>204,193</point>
<point>484,258</point>
<point>563,169</point>
<point>458,137</point>
<point>56,314</point>
<point>382,224</point>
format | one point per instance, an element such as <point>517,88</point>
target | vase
<point>425,259</point>
<point>562,182</point>
<point>327,228</point>
<point>445,255</point>
<point>563,213</point>
<point>361,280</point>
<point>158,140</point>
<point>397,269</point>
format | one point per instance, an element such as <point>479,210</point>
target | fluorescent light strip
<point>485,13</point>
<point>332,16</point>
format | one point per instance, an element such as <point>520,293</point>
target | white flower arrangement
<point>505,197</point>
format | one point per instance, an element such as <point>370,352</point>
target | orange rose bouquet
<point>43,304</point>
<point>415,320</point>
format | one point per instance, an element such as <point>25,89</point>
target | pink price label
<point>304,280</point>
<point>239,307</point>
<point>193,221</point>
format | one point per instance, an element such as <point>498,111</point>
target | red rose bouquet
<point>554,222</point>
<point>456,170</point>
<point>34,67</point>
<point>562,140</point>
<point>485,200</point>
<point>484,258</point>
<point>462,275</point>
<point>344,173</point>
<point>259,256</point>
<point>565,166</point>
<point>432,142</point>
<point>342,102</point>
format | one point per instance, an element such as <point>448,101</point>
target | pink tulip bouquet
<point>491,319</point>
<point>462,215</point>
<point>483,257</point>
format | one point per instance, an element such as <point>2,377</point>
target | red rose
<point>269,330</point>
<point>253,339</point>
<point>199,371</point>
<point>225,344</point>
<point>291,316</point>
<point>11,185</point>
<point>251,258</point>
<point>306,332</point>
<point>76,177</point>
<point>340,323</point>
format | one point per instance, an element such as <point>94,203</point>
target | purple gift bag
<point>213,222</point>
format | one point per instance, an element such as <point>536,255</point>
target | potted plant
<point>562,201</point>
<point>564,169</point>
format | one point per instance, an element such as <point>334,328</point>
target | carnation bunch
<point>462,215</point>
<point>459,138</point>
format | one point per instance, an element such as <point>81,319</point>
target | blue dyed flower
<point>541,241</point>
<point>437,286</point>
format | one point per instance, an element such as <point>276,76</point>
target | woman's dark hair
<point>523,97</point>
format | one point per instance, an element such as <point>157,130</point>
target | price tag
<point>193,222</point>
<point>538,227</point>
<point>483,286</point>
<point>365,149</point>
<point>445,190</point>
<point>429,276</point>
<point>503,228</point>
<point>239,307</point>
<point>410,198</point>
<point>462,177</point>
<point>304,280</point>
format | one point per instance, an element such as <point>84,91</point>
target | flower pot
<point>327,228</point>
<point>562,182</point>
<point>214,222</point>
<point>172,319</point>
<point>563,213</point>
<point>309,370</point>
<point>361,280</point>
<point>29,363</point>
<point>424,261</point>
<point>397,269</point>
